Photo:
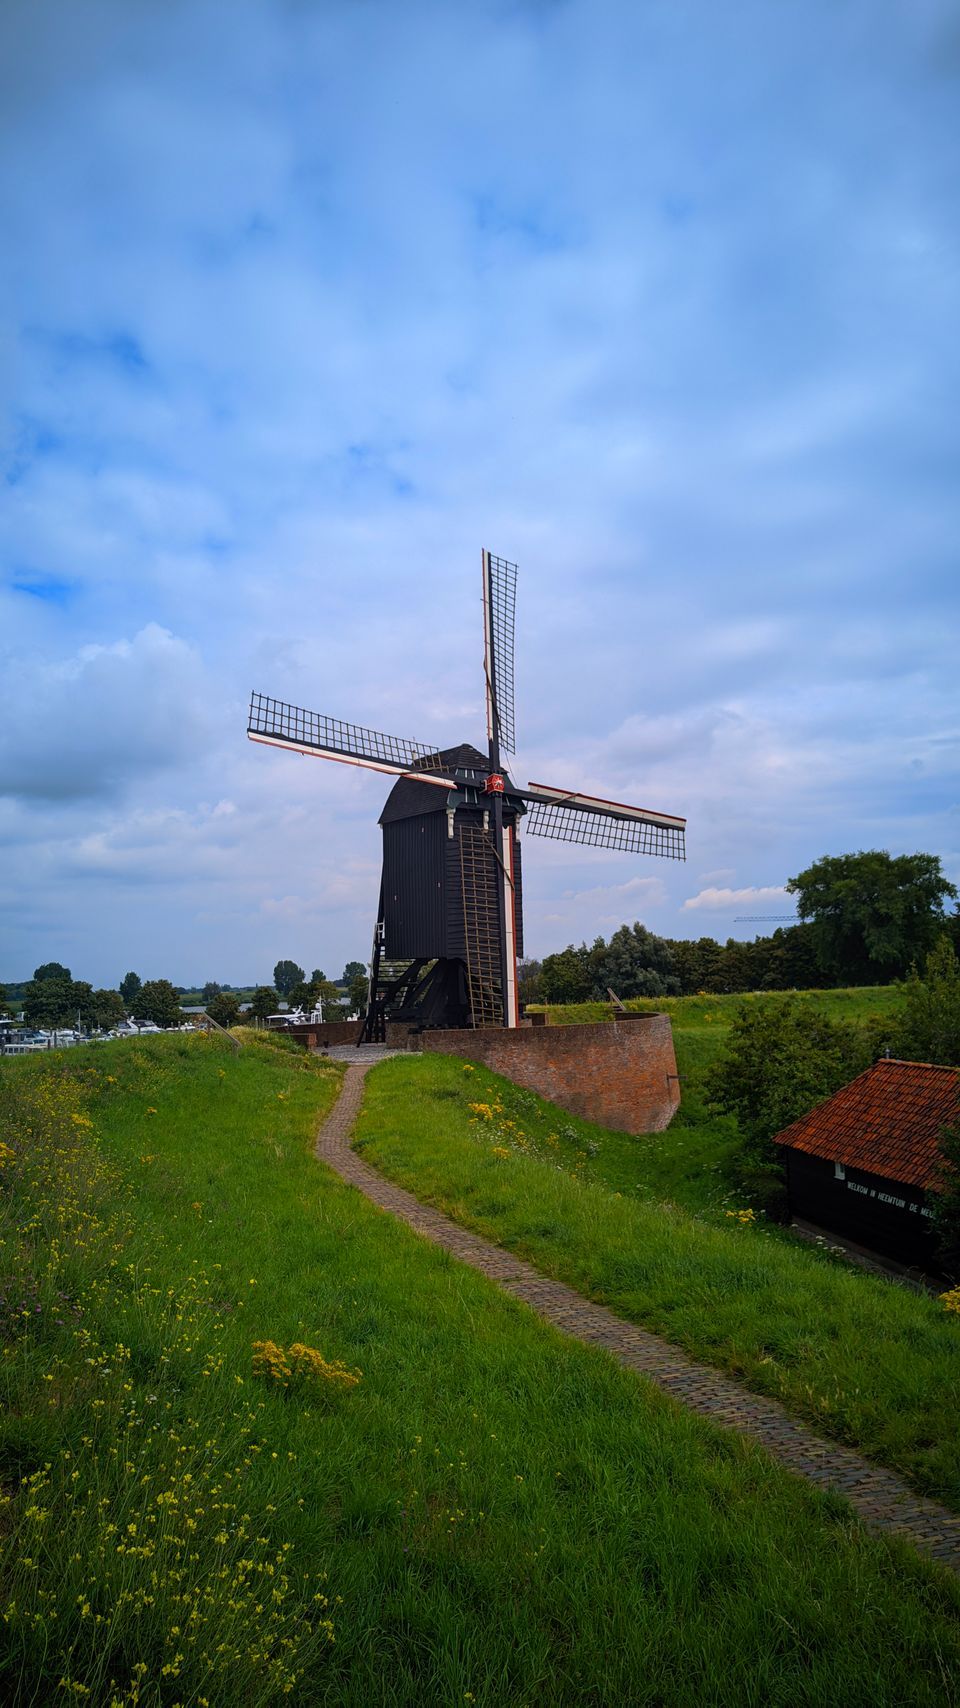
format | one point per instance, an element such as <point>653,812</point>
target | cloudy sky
<point>305,301</point>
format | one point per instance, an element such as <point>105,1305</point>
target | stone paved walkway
<point>881,1500</point>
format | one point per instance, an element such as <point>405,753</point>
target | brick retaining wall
<point>621,1073</point>
<point>319,1034</point>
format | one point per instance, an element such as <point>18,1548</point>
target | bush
<point>781,1060</point>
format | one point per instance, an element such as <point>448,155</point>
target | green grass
<point>493,1515</point>
<point>854,1002</point>
<point>692,1164</point>
<point>875,1365</point>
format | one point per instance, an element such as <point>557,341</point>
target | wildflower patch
<point>141,1555</point>
<point>300,1364</point>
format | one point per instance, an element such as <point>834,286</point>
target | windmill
<point>450,922</point>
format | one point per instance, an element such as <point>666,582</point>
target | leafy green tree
<point>567,977</point>
<point>358,990</point>
<point>209,991</point>
<point>309,992</point>
<point>529,981</point>
<point>157,1001</point>
<point>106,1009</point>
<point>791,960</point>
<point>224,1008</point>
<point>353,970</point>
<point>634,963</point>
<point>873,916</point>
<point>709,964</point>
<point>52,970</point>
<point>53,1001</point>
<point>129,985</point>
<point>263,1002</point>
<point>928,1028</point>
<point>780,1061</point>
<point>945,1203</point>
<point>286,974</point>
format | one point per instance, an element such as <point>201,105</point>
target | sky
<point>304,302</point>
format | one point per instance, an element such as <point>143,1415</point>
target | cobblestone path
<point>881,1500</point>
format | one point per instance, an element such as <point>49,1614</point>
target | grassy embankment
<point>644,1225</point>
<point>691,1163</point>
<point>492,1515</point>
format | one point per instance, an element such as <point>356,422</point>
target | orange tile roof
<point>887,1121</point>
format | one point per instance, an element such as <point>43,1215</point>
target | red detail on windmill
<point>494,784</point>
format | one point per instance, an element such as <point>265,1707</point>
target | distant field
<point>492,1515</point>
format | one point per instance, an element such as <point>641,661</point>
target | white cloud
<point>721,900</point>
<point>87,725</point>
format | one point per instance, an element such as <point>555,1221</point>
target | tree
<point>354,970</point>
<point>308,993</point>
<point>529,981</point>
<point>54,1001</point>
<point>633,963</point>
<point>107,1009</point>
<point>873,916</point>
<point>567,977</point>
<point>358,989</point>
<point>782,1058</point>
<point>157,1001</point>
<point>52,970</point>
<point>928,1028</point>
<point>286,974</point>
<point>209,991</point>
<point>264,1002</point>
<point>129,985</point>
<point>224,1008</point>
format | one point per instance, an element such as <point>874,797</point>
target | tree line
<point>864,919</point>
<point>54,998</point>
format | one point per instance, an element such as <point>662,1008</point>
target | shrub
<point>781,1060</point>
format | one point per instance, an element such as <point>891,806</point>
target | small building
<point>864,1163</point>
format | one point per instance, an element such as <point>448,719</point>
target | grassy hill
<point>690,1162</point>
<point>199,1505</point>
<point>875,1365</point>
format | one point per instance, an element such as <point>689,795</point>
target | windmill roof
<point>408,799</point>
<point>887,1121</point>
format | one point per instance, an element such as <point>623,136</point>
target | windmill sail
<point>570,817</point>
<point>450,922</point>
<point>281,725</point>
<point>499,607</point>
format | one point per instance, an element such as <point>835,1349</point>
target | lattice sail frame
<point>604,830</point>
<point>499,613</point>
<point>277,722</point>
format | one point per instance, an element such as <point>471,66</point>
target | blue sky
<point>304,303</point>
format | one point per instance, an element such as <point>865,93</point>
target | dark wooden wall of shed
<point>423,890</point>
<point>859,1207</point>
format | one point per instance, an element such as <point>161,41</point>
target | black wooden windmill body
<point>449,928</point>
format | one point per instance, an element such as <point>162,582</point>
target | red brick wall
<point>318,1034</point>
<point>621,1073</point>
